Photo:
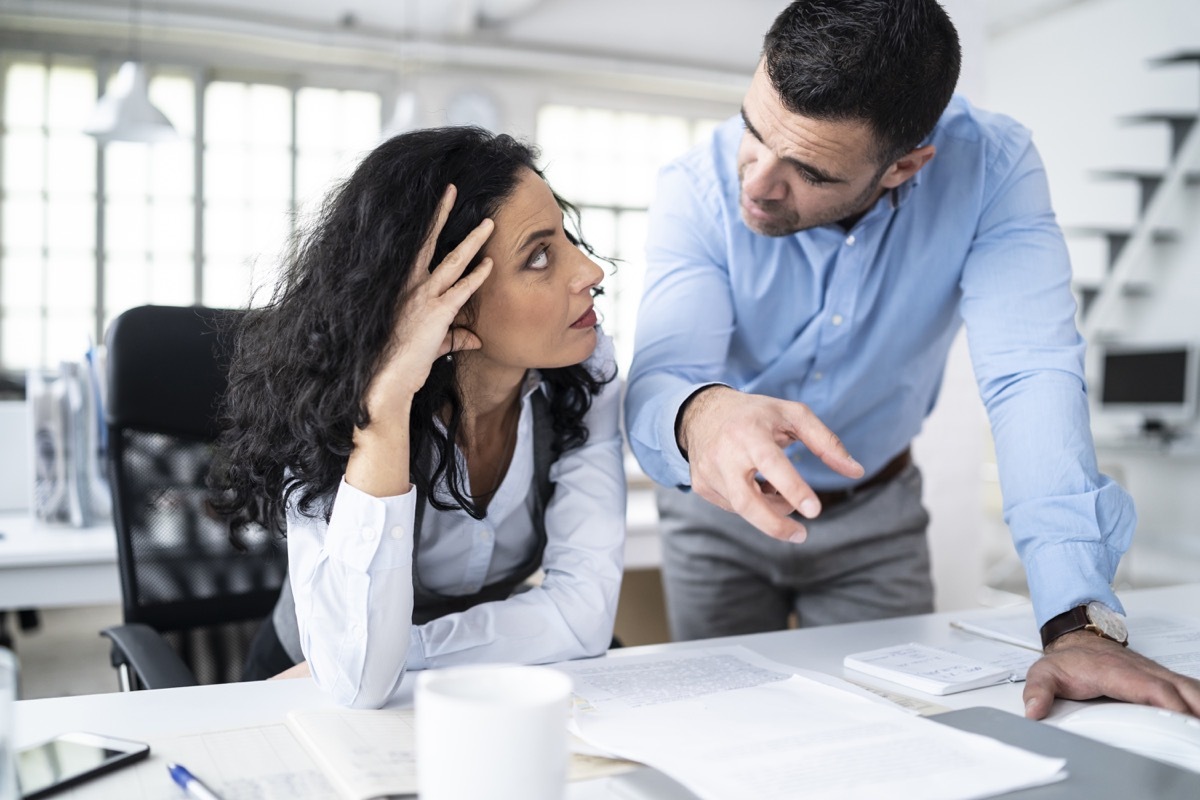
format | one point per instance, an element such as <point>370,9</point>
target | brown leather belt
<point>890,470</point>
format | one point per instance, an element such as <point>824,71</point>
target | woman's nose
<point>587,275</point>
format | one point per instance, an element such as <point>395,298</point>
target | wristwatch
<point>1095,617</point>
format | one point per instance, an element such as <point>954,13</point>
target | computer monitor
<point>1157,382</point>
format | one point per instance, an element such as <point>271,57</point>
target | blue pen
<point>190,783</point>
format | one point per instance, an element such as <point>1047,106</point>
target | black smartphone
<point>71,758</point>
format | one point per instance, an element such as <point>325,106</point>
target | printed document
<point>728,724</point>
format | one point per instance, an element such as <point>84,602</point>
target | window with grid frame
<point>605,162</point>
<point>72,257</point>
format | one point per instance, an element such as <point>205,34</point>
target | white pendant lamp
<point>125,113</point>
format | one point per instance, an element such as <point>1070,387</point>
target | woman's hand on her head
<point>425,317</point>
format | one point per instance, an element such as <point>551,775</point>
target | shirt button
<point>850,240</point>
<point>368,534</point>
<point>484,534</point>
<point>356,631</point>
<point>818,375</point>
<point>398,532</point>
<point>837,319</point>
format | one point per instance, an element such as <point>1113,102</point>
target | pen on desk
<point>190,784</point>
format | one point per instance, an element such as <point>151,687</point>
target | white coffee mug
<point>492,731</point>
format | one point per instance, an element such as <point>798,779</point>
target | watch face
<point>1107,621</point>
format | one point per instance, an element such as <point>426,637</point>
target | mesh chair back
<point>179,572</point>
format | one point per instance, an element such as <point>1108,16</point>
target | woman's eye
<point>540,259</point>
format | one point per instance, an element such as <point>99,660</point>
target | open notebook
<point>369,754</point>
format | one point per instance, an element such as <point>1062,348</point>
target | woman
<point>431,348</point>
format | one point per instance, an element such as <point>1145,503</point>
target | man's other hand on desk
<point>1082,666</point>
<point>729,437</point>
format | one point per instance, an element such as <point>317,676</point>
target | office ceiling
<point>719,35</point>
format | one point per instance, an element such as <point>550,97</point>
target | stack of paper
<point>728,725</point>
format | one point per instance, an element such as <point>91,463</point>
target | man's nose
<point>762,179</point>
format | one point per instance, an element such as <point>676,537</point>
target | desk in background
<point>47,566</point>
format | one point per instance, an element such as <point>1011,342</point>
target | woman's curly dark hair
<point>302,363</point>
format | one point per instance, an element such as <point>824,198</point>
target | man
<point>808,271</point>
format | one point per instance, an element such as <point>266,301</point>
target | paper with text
<point>773,735</point>
<point>927,669</point>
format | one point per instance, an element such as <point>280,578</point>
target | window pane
<point>227,283</point>
<point>72,97</point>
<point>68,334</point>
<point>71,226</point>
<point>25,96</point>
<point>71,165</point>
<point>270,175</point>
<point>22,336</point>
<point>22,283</point>
<point>175,96</point>
<point>225,229</point>
<point>126,227</point>
<point>127,283</point>
<point>318,118</point>
<point>70,284</point>
<point>172,281</point>
<point>24,221</point>
<point>127,170</point>
<point>223,120</point>
<point>171,230</point>
<point>171,170</point>
<point>24,162</point>
<point>268,115</point>
<point>225,170</point>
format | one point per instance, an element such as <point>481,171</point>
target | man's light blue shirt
<point>857,325</point>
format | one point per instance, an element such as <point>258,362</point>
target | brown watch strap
<point>1074,619</point>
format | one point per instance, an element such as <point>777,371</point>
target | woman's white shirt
<point>352,577</point>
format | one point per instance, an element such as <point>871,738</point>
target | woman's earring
<point>449,357</point>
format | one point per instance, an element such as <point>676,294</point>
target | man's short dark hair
<point>890,63</point>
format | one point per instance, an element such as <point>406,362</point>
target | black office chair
<point>192,602</point>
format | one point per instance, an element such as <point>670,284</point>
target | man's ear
<point>906,166</point>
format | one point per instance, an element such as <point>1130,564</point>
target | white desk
<point>166,712</point>
<point>44,566</point>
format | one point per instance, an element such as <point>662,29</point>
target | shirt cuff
<point>416,650</point>
<point>679,469</point>
<point>367,531</point>
<point>1069,574</point>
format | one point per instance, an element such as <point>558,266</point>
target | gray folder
<point>1095,770</point>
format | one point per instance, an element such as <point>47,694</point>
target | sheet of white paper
<point>1015,626</point>
<point>1173,642</point>
<point>774,738</point>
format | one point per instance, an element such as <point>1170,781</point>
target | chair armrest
<point>153,661</point>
